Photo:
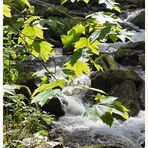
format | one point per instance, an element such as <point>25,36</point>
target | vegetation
<point>24,38</point>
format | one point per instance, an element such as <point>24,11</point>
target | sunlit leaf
<point>38,31</point>
<point>6,10</point>
<point>58,83</point>
<point>44,96</point>
<point>46,49</point>
<point>25,2</point>
<point>27,35</point>
<point>79,67</point>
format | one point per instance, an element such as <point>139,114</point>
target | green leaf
<point>24,2</point>
<point>58,83</point>
<point>108,100</point>
<point>93,89</point>
<point>117,8</point>
<point>45,50</point>
<point>27,35</point>
<point>95,35</point>
<point>85,43</point>
<point>104,32</point>
<point>44,96</point>
<point>38,31</point>
<point>86,1</point>
<point>6,10</point>
<point>124,34</point>
<point>63,1</point>
<point>98,67</point>
<point>107,118</point>
<point>109,3</point>
<point>75,56</point>
<point>79,67</point>
<point>30,19</point>
<point>73,35</point>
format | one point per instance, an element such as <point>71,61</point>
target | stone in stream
<point>105,80</point>
<point>128,56</point>
<point>128,95</point>
<point>54,106</point>
<point>137,18</point>
<point>120,83</point>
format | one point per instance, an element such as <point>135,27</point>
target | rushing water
<point>78,130</point>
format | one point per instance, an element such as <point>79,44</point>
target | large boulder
<point>105,80</point>
<point>137,18</point>
<point>128,95</point>
<point>123,84</point>
<point>55,106</point>
<point>128,56</point>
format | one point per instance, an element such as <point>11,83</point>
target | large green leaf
<point>85,43</point>
<point>44,96</point>
<point>79,67</point>
<point>105,107</point>
<point>58,83</point>
<point>24,2</point>
<point>27,35</point>
<point>6,10</point>
<point>38,31</point>
<point>73,35</point>
<point>45,50</point>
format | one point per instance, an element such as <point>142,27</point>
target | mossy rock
<point>127,56</point>
<point>105,80</point>
<point>106,61</point>
<point>128,95</point>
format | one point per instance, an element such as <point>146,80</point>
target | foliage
<point>21,120</point>
<point>104,107</point>
<point>24,39</point>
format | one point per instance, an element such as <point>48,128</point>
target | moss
<point>106,61</point>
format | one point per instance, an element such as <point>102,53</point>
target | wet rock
<point>106,80</point>
<point>137,18</point>
<point>139,3</point>
<point>142,60</point>
<point>106,61</point>
<point>128,95</point>
<point>142,96</point>
<point>57,143</point>
<point>128,56</point>
<point>55,106</point>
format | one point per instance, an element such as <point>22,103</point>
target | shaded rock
<point>142,96</point>
<point>139,3</point>
<point>142,60</point>
<point>54,106</point>
<point>106,61</point>
<point>137,18</point>
<point>128,56</point>
<point>105,80</point>
<point>128,95</point>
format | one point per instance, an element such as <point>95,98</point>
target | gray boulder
<point>128,95</point>
<point>106,80</point>
<point>137,18</point>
